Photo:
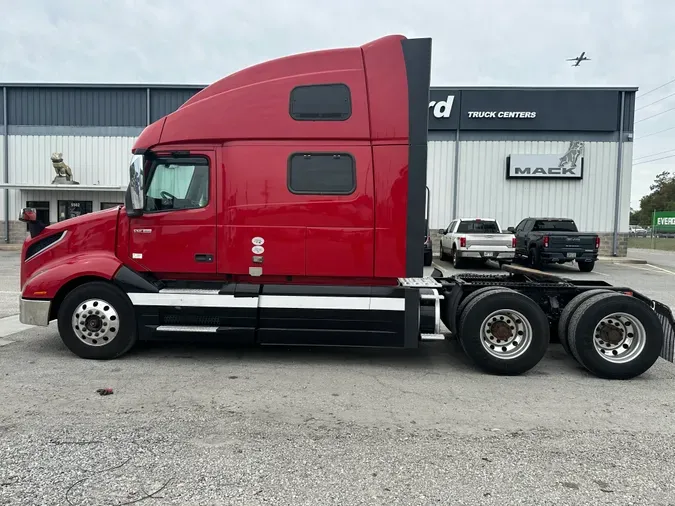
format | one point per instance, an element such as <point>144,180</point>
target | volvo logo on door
<point>567,165</point>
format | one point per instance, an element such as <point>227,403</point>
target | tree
<point>661,198</point>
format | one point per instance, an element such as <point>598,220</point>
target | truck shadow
<point>429,358</point>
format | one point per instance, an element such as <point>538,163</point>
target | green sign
<point>664,221</point>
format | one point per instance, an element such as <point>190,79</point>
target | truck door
<point>177,231</point>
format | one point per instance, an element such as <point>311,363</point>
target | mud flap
<point>668,324</point>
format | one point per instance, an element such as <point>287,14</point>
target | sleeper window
<point>321,174</point>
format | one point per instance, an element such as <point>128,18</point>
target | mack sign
<point>567,165</point>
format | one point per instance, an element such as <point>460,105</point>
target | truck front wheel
<point>96,321</point>
<point>504,332</point>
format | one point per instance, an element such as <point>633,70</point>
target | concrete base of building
<point>606,240</point>
<point>17,232</point>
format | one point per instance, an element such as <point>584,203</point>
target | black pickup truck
<point>555,240</point>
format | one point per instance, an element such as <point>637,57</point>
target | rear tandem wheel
<point>568,310</point>
<point>503,331</point>
<point>615,336</point>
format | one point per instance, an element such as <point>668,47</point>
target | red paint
<point>242,124</point>
<point>88,249</point>
<point>305,235</point>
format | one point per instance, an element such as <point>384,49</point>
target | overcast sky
<point>475,42</point>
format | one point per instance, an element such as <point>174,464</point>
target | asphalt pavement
<point>211,425</point>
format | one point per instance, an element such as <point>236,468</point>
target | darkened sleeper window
<point>321,102</point>
<point>322,174</point>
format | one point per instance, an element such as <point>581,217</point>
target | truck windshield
<point>555,226</point>
<point>478,227</point>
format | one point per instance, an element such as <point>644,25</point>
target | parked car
<point>476,238</point>
<point>637,231</point>
<point>555,240</point>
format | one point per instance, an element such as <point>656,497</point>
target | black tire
<point>471,332</point>
<point>592,312</point>
<point>462,305</point>
<point>567,313</point>
<point>534,258</point>
<point>428,258</point>
<point>443,256</point>
<point>112,306</point>
<point>457,262</point>
<point>586,266</point>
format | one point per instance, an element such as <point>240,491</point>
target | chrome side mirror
<point>136,182</point>
<point>28,215</point>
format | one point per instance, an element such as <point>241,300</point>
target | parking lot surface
<point>211,425</point>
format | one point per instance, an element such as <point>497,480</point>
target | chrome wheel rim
<point>506,334</point>
<point>95,322</point>
<point>619,338</point>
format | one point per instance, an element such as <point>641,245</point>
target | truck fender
<point>47,281</point>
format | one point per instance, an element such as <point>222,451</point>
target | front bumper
<point>34,312</point>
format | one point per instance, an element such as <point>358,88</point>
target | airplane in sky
<point>578,59</point>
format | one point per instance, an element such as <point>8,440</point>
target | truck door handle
<point>202,257</point>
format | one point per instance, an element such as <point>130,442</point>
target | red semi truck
<point>285,205</point>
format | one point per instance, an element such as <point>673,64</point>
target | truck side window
<point>321,102</point>
<point>321,174</point>
<point>178,184</point>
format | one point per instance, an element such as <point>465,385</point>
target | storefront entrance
<point>72,208</point>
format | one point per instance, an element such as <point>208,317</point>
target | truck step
<point>187,328</point>
<point>426,282</point>
<point>432,337</point>
<point>431,296</point>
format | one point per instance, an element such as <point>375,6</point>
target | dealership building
<point>504,153</point>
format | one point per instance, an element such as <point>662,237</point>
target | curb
<point>11,247</point>
<point>622,260</point>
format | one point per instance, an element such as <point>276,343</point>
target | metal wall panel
<point>166,101</point>
<point>484,191</point>
<point>2,178</point>
<point>94,160</point>
<point>626,179</point>
<point>440,166</point>
<point>76,106</point>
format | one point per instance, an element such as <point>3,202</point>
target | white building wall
<point>484,191</point>
<point>94,160</point>
<point>440,169</point>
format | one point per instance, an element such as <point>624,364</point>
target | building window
<point>321,102</point>
<point>72,208</point>
<point>108,205</point>
<point>178,184</point>
<point>321,174</point>
<point>41,210</point>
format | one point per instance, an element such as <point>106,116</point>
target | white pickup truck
<point>476,238</point>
